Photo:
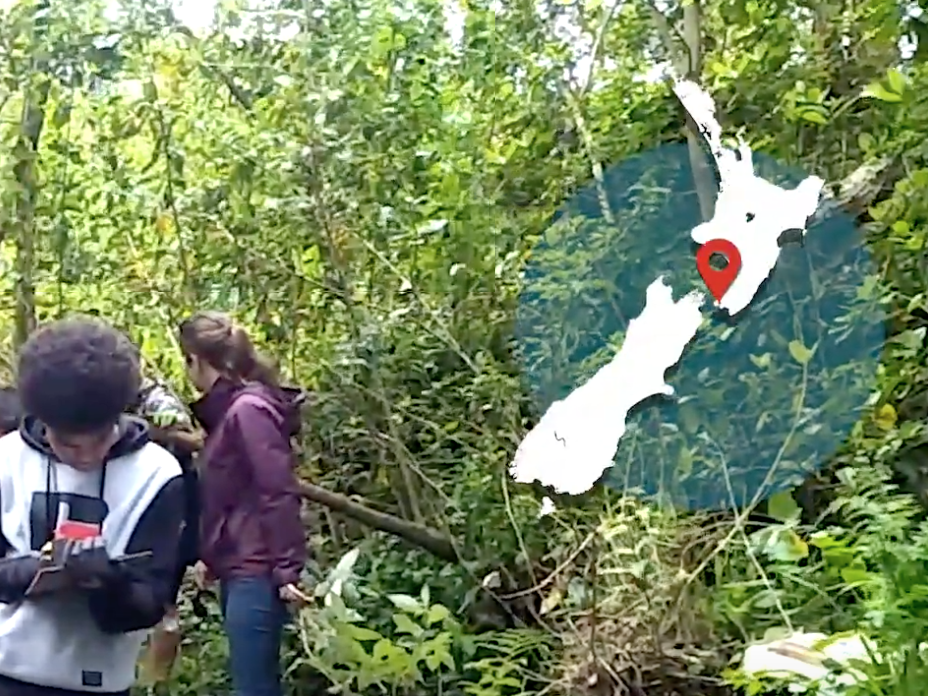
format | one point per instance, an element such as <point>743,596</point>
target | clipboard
<point>53,579</point>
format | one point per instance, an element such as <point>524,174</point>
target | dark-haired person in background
<point>11,411</point>
<point>252,537</point>
<point>77,456</point>
<point>171,426</point>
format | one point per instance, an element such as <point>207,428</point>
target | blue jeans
<point>254,617</point>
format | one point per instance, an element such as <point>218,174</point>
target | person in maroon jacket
<point>252,539</point>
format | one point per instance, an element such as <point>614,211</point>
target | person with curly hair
<point>169,425</point>
<point>252,539</point>
<point>77,461</point>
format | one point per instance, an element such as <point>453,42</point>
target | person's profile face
<point>195,373</point>
<point>84,451</point>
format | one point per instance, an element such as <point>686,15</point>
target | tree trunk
<point>703,175</point>
<point>424,537</point>
<point>25,171</point>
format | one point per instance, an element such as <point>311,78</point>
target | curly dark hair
<point>78,375</point>
<point>11,411</point>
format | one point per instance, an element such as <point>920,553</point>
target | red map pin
<point>718,280</point>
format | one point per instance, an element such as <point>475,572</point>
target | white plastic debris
<point>802,660</point>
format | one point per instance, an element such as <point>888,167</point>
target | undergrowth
<point>643,601</point>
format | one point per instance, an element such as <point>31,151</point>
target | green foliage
<point>423,647</point>
<point>362,190</point>
<point>865,574</point>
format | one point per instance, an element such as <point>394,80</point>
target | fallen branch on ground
<point>424,537</point>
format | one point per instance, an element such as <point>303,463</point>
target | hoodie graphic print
<point>85,640</point>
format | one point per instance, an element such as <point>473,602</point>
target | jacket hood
<point>286,401</point>
<point>133,436</point>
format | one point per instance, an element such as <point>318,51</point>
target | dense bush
<point>362,186</point>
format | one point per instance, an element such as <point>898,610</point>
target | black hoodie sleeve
<point>137,595</point>
<point>16,574</point>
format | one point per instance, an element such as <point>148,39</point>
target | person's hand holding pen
<point>87,561</point>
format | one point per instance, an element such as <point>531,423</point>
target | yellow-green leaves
<point>885,417</point>
<point>887,90</point>
<point>785,544</point>
<point>782,507</point>
<point>782,542</point>
<point>800,353</point>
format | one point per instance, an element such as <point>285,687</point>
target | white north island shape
<point>577,438</point>
<point>750,212</point>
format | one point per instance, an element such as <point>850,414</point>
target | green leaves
<point>406,603</point>
<point>876,90</point>
<point>420,649</point>
<point>896,80</point>
<point>890,90</point>
<point>800,353</point>
<point>782,507</point>
<point>404,624</point>
<point>814,114</point>
<point>437,613</point>
<point>885,417</point>
<point>784,544</point>
<point>150,91</point>
<point>367,152</point>
<point>360,633</point>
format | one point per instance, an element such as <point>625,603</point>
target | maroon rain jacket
<point>250,519</point>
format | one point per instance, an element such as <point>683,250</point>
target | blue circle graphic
<point>753,412</point>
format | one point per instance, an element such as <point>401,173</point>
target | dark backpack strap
<point>190,539</point>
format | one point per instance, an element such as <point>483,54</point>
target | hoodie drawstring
<point>51,514</point>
